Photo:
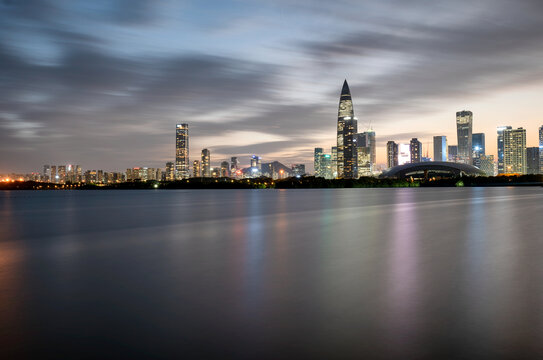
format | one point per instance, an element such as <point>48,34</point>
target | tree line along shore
<point>305,182</point>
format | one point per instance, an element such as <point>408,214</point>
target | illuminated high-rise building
<point>196,171</point>
<point>415,150</point>
<point>234,164</point>
<point>225,169</point>
<point>514,151</point>
<point>464,124</point>
<point>392,154</point>
<point>326,166</point>
<point>256,162</point>
<point>363,158</point>
<point>78,173</point>
<point>532,160</point>
<point>440,148</point>
<point>298,169</point>
<point>541,150</point>
<point>46,176</point>
<point>486,164</point>
<point>501,129</point>
<point>367,139</point>
<point>478,148</point>
<point>205,164</point>
<point>333,161</point>
<point>61,174</point>
<point>317,156</point>
<point>54,175</point>
<point>347,127</point>
<point>404,154</point>
<point>453,153</point>
<point>170,171</point>
<point>182,151</point>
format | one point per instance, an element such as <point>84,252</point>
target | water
<point>265,274</point>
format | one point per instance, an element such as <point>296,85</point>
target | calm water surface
<point>266,274</point>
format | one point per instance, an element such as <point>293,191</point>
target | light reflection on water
<point>395,273</point>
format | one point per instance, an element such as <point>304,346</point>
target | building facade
<point>196,170</point>
<point>486,164</point>
<point>452,153</point>
<point>392,154</point>
<point>333,153</point>
<point>514,151</point>
<point>532,160</point>
<point>464,124</point>
<point>205,163</point>
<point>440,148</point>
<point>182,151</point>
<point>347,127</point>
<point>541,149</point>
<point>478,148</point>
<point>363,157</point>
<point>501,129</point>
<point>415,150</point>
<point>225,169</point>
<point>170,171</point>
<point>298,169</point>
<point>317,155</point>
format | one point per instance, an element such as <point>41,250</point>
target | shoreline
<point>308,182</point>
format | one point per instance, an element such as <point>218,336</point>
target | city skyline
<point>353,157</point>
<point>84,83</point>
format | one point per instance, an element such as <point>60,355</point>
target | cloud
<point>70,95</point>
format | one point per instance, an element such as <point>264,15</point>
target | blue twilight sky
<point>103,83</point>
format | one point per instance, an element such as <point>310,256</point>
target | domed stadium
<point>431,169</point>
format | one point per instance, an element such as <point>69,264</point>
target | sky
<point>103,83</point>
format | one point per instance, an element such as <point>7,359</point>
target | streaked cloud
<point>103,83</point>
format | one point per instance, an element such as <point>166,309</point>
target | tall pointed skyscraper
<point>347,128</point>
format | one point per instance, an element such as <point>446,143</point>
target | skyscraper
<point>326,166</point>
<point>541,150</point>
<point>46,173</point>
<point>514,151</point>
<point>392,154</point>
<point>501,129</point>
<point>170,171</point>
<point>205,165</point>
<point>317,155</point>
<point>347,127</point>
<point>181,151</point>
<point>298,169</point>
<point>225,172</point>
<point>532,160</point>
<point>453,153</point>
<point>478,148</point>
<point>54,175</point>
<point>486,164</point>
<point>196,171</point>
<point>464,123</point>
<point>367,140</point>
<point>234,164</point>
<point>333,161</point>
<point>440,148</point>
<point>61,174</point>
<point>256,162</point>
<point>415,149</point>
<point>404,154</point>
<point>363,158</point>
